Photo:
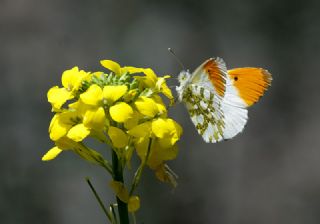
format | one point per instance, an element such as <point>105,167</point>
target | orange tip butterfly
<point>217,99</point>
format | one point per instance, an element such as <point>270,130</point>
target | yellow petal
<point>68,78</point>
<point>60,125</point>
<point>51,154</point>
<point>93,95</point>
<point>167,128</point>
<point>95,119</point>
<point>111,65</point>
<point>160,128</point>
<point>58,96</point>
<point>78,132</point>
<point>72,78</point>
<point>121,112</point>
<point>134,203</point>
<point>146,106</point>
<point>141,131</point>
<point>163,88</point>
<point>118,137</point>
<point>113,93</point>
<point>120,190</point>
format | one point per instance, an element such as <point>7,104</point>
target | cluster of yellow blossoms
<point>121,108</point>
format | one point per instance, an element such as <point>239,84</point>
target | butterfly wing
<point>250,83</point>
<point>211,74</point>
<point>205,112</point>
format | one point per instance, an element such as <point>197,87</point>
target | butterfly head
<point>184,79</point>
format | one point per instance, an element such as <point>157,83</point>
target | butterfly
<point>217,99</point>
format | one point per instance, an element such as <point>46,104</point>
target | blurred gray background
<point>268,174</point>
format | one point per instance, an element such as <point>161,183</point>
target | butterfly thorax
<point>184,79</point>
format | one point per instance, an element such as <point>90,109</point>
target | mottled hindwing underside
<point>205,111</point>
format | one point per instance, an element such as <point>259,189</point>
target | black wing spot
<point>236,78</point>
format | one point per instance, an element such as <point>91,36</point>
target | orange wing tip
<point>215,70</point>
<point>251,83</point>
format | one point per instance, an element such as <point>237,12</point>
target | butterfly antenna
<point>178,60</point>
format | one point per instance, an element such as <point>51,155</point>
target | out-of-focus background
<point>268,174</point>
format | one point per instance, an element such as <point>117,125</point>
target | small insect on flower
<point>217,99</point>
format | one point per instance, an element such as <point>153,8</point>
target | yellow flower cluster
<point>122,108</point>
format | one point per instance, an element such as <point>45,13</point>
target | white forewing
<point>200,76</point>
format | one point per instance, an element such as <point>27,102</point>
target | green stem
<point>118,176</point>
<point>99,199</point>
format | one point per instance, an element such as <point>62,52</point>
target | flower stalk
<point>118,176</point>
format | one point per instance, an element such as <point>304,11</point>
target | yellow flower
<point>95,118</point>
<point>167,131</point>
<point>125,111</point>
<point>61,123</point>
<point>121,112</point>
<point>146,106</point>
<point>93,96</point>
<point>164,134</point>
<point>96,96</point>
<point>72,78</point>
<point>162,87</point>
<point>150,78</point>
<point>74,124</point>
<point>113,93</point>
<point>152,81</point>
<point>71,81</point>
<point>58,96</point>
<point>78,132</point>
